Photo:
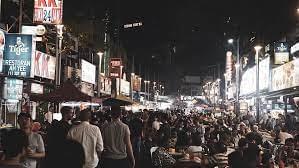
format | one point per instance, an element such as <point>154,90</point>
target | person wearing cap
<point>36,148</point>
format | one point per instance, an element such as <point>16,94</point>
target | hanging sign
<point>48,11</point>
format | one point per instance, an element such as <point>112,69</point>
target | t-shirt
<point>114,134</point>
<point>36,144</point>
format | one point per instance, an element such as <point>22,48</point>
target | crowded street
<point>149,84</point>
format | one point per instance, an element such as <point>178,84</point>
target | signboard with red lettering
<point>48,11</point>
<point>115,67</point>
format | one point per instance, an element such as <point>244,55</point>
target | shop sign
<point>286,76</point>
<point>115,67</point>
<point>281,53</point>
<point>105,85</point>
<point>37,88</point>
<point>88,72</point>
<point>295,48</point>
<point>136,83</point>
<point>12,89</point>
<point>44,65</point>
<point>124,87</point>
<point>229,65</point>
<point>19,51</point>
<point>48,11</point>
<point>2,44</point>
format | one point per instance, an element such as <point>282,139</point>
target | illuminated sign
<point>44,65</point>
<point>18,55</point>
<point>13,89</point>
<point>48,11</point>
<point>281,53</point>
<point>133,25</point>
<point>285,76</point>
<point>115,67</point>
<point>88,73</point>
<point>295,48</point>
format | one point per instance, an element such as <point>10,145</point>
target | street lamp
<point>230,41</point>
<point>120,77</point>
<point>132,83</point>
<point>100,54</point>
<point>257,50</point>
<point>59,36</point>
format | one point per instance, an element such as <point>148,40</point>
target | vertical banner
<point>44,65</point>
<point>2,44</point>
<point>19,50</point>
<point>48,11</point>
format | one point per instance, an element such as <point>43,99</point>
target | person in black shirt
<point>136,127</point>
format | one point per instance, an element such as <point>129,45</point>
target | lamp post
<point>145,88</point>
<point>100,54</point>
<point>132,84</point>
<point>120,77</point>
<point>148,90</point>
<point>257,50</point>
<point>59,36</point>
<point>237,66</point>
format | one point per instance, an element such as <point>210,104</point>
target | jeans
<point>136,145</point>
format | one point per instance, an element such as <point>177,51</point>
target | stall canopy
<point>118,101</point>
<point>67,92</point>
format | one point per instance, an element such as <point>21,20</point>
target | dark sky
<point>195,27</point>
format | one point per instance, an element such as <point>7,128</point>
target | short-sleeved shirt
<point>90,137</point>
<point>36,144</point>
<point>114,134</point>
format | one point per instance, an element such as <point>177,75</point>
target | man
<point>90,137</point>
<point>118,147</point>
<point>137,133</point>
<point>14,142</point>
<point>57,134</point>
<point>36,149</point>
<point>156,124</point>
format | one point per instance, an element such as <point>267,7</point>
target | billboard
<point>44,65</point>
<point>124,87</point>
<point>248,82</point>
<point>2,44</point>
<point>48,11</point>
<point>115,65</point>
<point>18,52</point>
<point>286,76</point>
<point>105,85</point>
<point>37,88</point>
<point>281,53</point>
<point>88,73</point>
<point>12,89</point>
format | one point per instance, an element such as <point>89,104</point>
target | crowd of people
<point>115,138</point>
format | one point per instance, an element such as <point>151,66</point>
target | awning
<point>66,92</point>
<point>118,101</point>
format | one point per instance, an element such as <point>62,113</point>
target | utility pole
<point>20,15</point>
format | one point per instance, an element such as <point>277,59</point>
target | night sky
<point>198,29</point>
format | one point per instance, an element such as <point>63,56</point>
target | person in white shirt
<point>156,124</point>
<point>90,137</point>
<point>283,135</point>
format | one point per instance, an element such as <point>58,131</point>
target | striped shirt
<point>219,159</point>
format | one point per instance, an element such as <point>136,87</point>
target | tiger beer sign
<point>48,11</point>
